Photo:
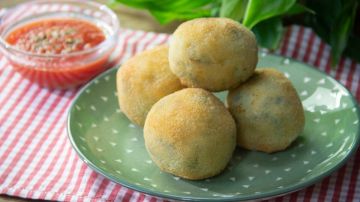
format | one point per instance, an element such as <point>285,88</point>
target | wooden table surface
<point>129,18</point>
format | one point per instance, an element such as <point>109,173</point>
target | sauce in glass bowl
<point>63,47</point>
<point>56,36</point>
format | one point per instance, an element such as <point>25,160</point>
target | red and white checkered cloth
<point>38,162</point>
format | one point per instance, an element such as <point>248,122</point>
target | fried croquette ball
<point>142,81</point>
<point>190,134</point>
<point>267,110</point>
<point>213,53</point>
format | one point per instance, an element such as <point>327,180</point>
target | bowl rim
<point>114,19</point>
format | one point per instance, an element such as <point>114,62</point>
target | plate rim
<point>264,195</point>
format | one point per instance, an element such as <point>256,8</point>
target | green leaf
<point>299,8</point>
<point>166,5</point>
<point>259,10</point>
<point>269,33</point>
<point>326,10</point>
<point>215,8</point>
<point>166,17</point>
<point>234,9</point>
<point>341,30</point>
<point>353,49</point>
<point>333,22</point>
<point>168,10</point>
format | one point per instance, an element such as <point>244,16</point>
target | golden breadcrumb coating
<point>143,80</point>
<point>213,53</point>
<point>190,134</point>
<point>267,110</point>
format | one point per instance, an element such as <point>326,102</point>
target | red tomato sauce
<point>56,36</point>
<point>59,36</point>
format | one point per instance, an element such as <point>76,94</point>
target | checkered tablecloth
<point>38,162</point>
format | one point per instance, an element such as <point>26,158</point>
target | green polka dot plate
<point>114,147</point>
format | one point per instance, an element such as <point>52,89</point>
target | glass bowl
<point>62,70</point>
